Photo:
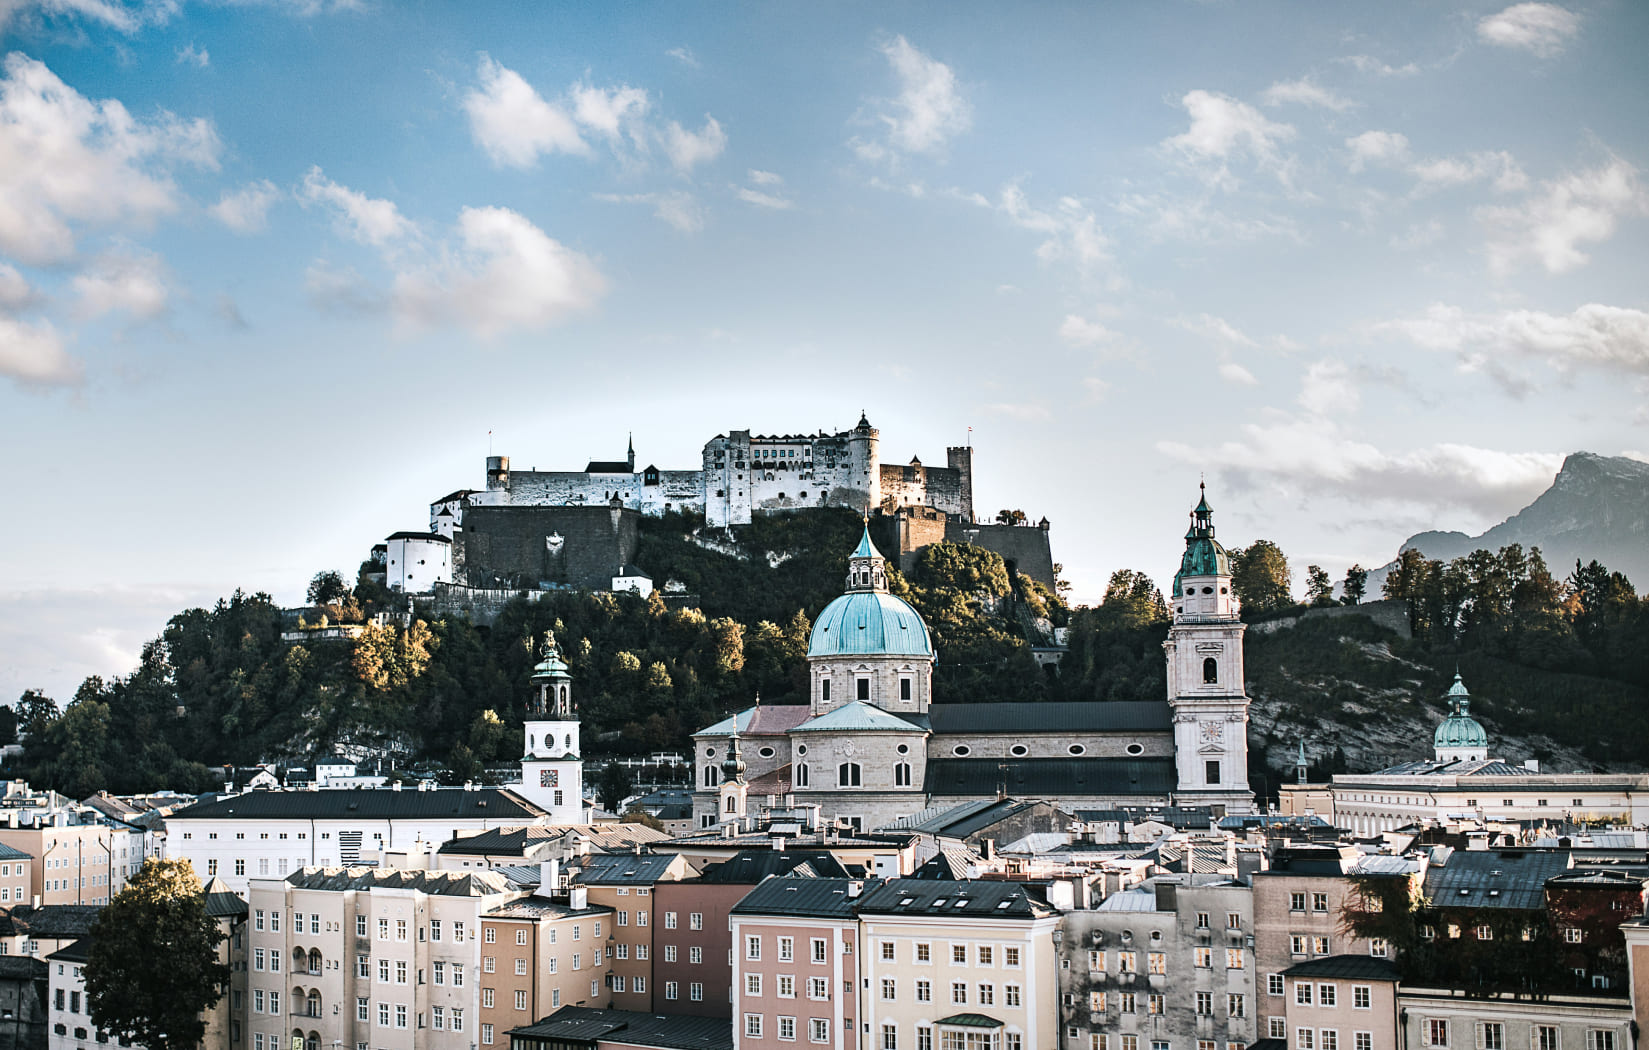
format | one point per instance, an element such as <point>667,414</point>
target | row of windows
<point>983,954</point>
<point>1307,994</point>
<point>1491,1035</point>
<point>695,920</point>
<point>695,991</point>
<point>1236,1005</point>
<point>984,993</point>
<point>1102,1041</point>
<point>1157,962</point>
<point>819,948</point>
<point>818,1028</point>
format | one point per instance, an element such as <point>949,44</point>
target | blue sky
<point>271,273</point>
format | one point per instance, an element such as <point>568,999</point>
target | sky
<point>274,275</point>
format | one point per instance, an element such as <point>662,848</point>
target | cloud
<point>684,56</point>
<point>369,220</point>
<point>246,210</point>
<point>1222,127</point>
<point>1232,372</point>
<point>926,114</point>
<point>200,58</point>
<point>1418,235</point>
<point>125,18</point>
<point>1071,230</point>
<point>765,178</point>
<point>15,293</point>
<point>1377,147</point>
<point>32,354</point>
<point>1304,92</point>
<point>1607,338</point>
<point>1080,331</point>
<point>1370,64</point>
<point>1170,216</point>
<point>1391,149</point>
<point>1327,389</point>
<point>612,113</point>
<point>503,274</point>
<point>680,210</point>
<point>1543,29</point>
<point>66,159</point>
<point>342,291</point>
<point>135,284</point>
<point>1550,225</point>
<point>513,123</point>
<point>1216,328</point>
<point>688,149</point>
<point>769,196</point>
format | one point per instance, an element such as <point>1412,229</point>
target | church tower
<point>552,773</point>
<point>734,792</point>
<point>1205,675</point>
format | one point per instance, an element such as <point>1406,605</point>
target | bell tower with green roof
<point>552,769</point>
<point>1205,674</point>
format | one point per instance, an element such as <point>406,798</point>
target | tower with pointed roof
<point>552,773</point>
<point>733,791</point>
<point>869,645</point>
<point>1205,674</point>
<point>1460,737</point>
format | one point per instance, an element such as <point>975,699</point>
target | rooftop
<point>804,897</point>
<point>977,898</point>
<point>857,716</point>
<point>583,1026</point>
<point>439,883</point>
<point>1508,878</point>
<point>761,720</point>
<point>1052,717</point>
<point>1351,967</point>
<point>748,867</point>
<point>367,804</point>
<point>624,869</point>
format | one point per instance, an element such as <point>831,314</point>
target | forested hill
<point>1559,667</point>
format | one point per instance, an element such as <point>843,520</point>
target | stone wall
<point>529,547</point>
<point>1388,613</point>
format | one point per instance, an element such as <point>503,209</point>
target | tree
<point>1319,588</point>
<point>1132,601</point>
<point>327,588</point>
<point>1356,584</point>
<point>614,785</point>
<point>35,711</point>
<point>152,966</point>
<point>1261,578</point>
<point>1010,517</point>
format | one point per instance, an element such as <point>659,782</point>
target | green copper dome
<point>867,620</point>
<point>1203,554</point>
<point>1459,729</point>
<point>552,665</point>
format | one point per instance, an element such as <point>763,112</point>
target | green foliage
<point>1261,578</point>
<point>160,917</point>
<point>327,588</point>
<point>614,785</point>
<point>1010,517</point>
<point>1356,585</point>
<point>1319,587</point>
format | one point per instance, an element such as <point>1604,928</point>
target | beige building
<point>537,956</point>
<point>1344,1002</point>
<point>69,863</point>
<point>623,883</point>
<point>1453,1019</point>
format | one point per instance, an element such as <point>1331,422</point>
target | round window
<point>961,749</point>
<point>1136,749</point>
<point>1019,751</point>
<point>765,752</point>
<point>1224,591</point>
<point>801,749</point>
<point>709,752</point>
<point>904,749</point>
<point>1077,749</point>
<point>1208,590</point>
<point>1179,608</point>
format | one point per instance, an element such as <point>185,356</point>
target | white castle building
<point>871,745</point>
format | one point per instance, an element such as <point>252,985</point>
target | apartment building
<point>1458,1019</point>
<point>363,957</point>
<point>965,965</point>
<point>71,855</point>
<point>796,965</point>
<point>692,941</point>
<point>624,883</point>
<point>1343,1002</point>
<point>1169,961</point>
<point>537,956</point>
<point>16,876</point>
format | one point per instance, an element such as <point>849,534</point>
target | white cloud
<point>613,113</point>
<point>66,159</point>
<point>1609,338</point>
<point>1072,232</point>
<point>15,293</point>
<point>369,220</point>
<point>1370,64</point>
<point>135,284</point>
<point>1550,226</point>
<point>1232,372</point>
<point>926,114</point>
<point>32,354</point>
<point>1305,92</point>
<point>1080,331</point>
<point>503,274</point>
<point>1169,216</point>
<point>1222,127</point>
<point>1216,328</point>
<point>513,123</point>
<point>246,210</point>
<point>197,57</point>
<point>770,195</point>
<point>342,290</point>
<point>1391,149</point>
<point>1543,29</point>
<point>1377,147</point>
<point>764,178</point>
<point>1327,389</point>
<point>1418,235</point>
<point>678,209</point>
<point>688,149</point>
<point>684,56</point>
<point>123,17</point>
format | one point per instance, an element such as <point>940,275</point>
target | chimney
<point>778,843</point>
<point>395,786</point>
<point>578,898</point>
<point>855,888</point>
<point>989,848</point>
<point>549,873</point>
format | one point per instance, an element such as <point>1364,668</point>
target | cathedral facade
<point>871,745</point>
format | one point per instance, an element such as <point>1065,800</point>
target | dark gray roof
<point>434,537</point>
<point>975,899</point>
<point>608,466</point>
<point>12,853</point>
<point>948,865</point>
<point>1511,878</point>
<point>1051,777</point>
<point>1351,967</point>
<point>586,1026</point>
<point>811,898</point>
<point>444,883</point>
<point>514,841</point>
<point>969,818</point>
<point>22,968</point>
<point>221,901</point>
<point>1048,717</point>
<point>624,869</point>
<point>1181,818</point>
<point>367,804</point>
<point>76,952</point>
<point>748,867</point>
<point>51,921</point>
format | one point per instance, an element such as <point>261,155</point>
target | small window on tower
<point>864,688</point>
<point>1210,670</point>
<point>1211,772</point>
<point>824,690</point>
<point>904,689</point>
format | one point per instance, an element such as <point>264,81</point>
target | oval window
<point>960,750</point>
<point>801,749</point>
<point>904,749</point>
<point>766,752</point>
<point>709,752</point>
<point>1077,749</point>
<point>1019,751</point>
<point>1136,749</point>
<point>1208,590</point>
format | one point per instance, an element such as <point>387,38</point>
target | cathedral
<point>870,745</point>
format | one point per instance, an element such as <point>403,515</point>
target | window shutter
<point>1482,1035</point>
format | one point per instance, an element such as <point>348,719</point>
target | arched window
<point>901,774</point>
<point>801,775</point>
<point>732,804</point>
<point>563,693</point>
<point>1210,671</point>
<point>530,744</point>
<point>313,1041</point>
<point>312,1006</point>
<point>709,776</point>
<point>847,775</point>
<point>569,744</point>
<point>824,691</point>
<point>314,961</point>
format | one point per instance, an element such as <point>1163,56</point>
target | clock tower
<point>1205,675</point>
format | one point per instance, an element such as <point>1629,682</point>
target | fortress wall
<point>506,546</point>
<point>1025,546</point>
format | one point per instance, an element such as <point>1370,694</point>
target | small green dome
<point>1459,729</point>
<point>869,623</point>
<point>1203,554</point>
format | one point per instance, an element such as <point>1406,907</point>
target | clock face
<point>1212,732</point>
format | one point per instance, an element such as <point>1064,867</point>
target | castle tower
<point>864,462</point>
<point>733,792</point>
<point>960,459</point>
<point>1205,675</point>
<point>869,645</point>
<point>552,773</point>
<point>1460,737</point>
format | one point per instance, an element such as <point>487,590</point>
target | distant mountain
<point>1597,508</point>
